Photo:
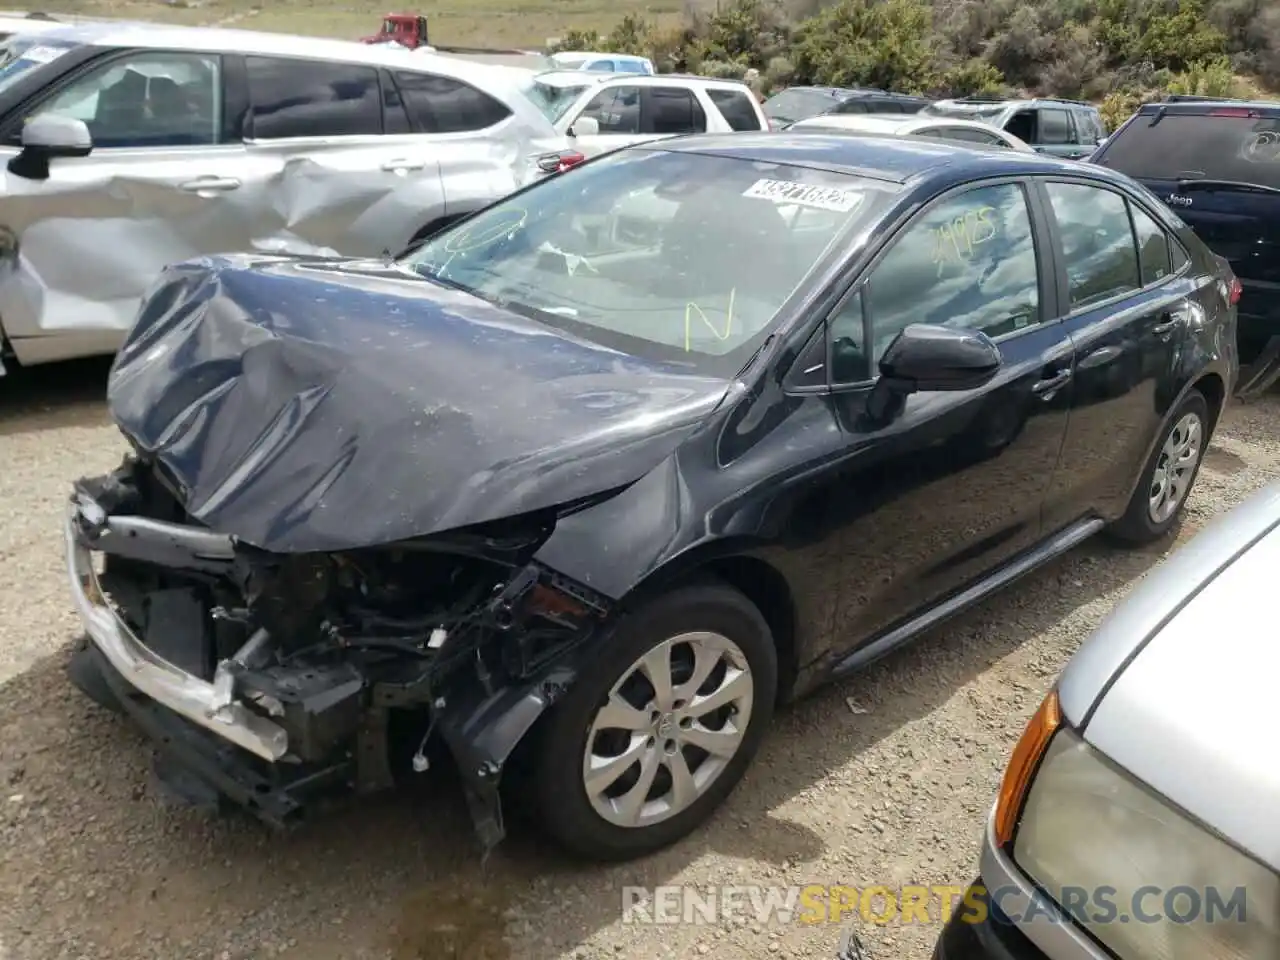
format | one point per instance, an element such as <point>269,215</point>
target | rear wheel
<point>660,727</point>
<point>1169,474</point>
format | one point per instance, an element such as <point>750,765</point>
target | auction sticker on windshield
<point>805,195</point>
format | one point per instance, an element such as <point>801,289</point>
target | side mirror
<point>585,127</point>
<point>44,138</point>
<point>924,357</point>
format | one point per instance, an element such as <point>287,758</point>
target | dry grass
<point>492,23</point>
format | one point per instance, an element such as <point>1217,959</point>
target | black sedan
<point>585,485</point>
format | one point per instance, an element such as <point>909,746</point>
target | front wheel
<point>1167,478</point>
<point>660,726</point>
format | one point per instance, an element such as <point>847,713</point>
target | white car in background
<point>603,62</point>
<point>131,146</point>
<point>935,128</point>
<point>605,111</point>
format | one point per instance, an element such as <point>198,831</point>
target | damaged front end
<point>277,679</point>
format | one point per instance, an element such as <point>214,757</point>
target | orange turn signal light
<point>1022,766</point>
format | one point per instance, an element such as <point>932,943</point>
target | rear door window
<point>1097,242</point>
<point>736,108</point>
<point>673,110</point>
<point>311,98</point>
<point>1230,144</point>
<point>1054,126</point>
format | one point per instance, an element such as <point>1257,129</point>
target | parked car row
<point>547,465</point>
<point>248,141</point>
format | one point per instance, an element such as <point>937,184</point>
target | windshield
<point>795,104</point>
<point>1229,144</point>
<point>964,113</point>
<point>676,257</point>
<point>552,99</point>
<point>20,53</point>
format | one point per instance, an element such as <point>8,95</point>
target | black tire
<point>1137,527</point>
<point>564,809</point>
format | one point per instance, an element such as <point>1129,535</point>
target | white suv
<point>604,111</point>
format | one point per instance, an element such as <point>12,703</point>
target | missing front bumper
<point>209,705</point>
<point>333,720</point>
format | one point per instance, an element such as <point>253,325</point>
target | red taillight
<point>1234,112</point>
<point>1234,291</point>
<point>560,162</point>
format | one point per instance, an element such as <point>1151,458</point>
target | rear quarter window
<point>1198,146</point>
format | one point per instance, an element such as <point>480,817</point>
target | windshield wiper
<point>1204,183</point>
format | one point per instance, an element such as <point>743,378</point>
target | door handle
<point>1168,323</point>
<point>400,166</point>
<point>1044,388</point>
<point>201,184</point>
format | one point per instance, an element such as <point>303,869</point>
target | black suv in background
<point>1216,163</point>
<point>800,103</point>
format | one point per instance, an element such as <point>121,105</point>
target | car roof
<point>887,158</point>
<point>564,54</point>
<point>20,25</point>
<point>888,122</point>
<point>572,78</point>
<point>984,103</point>
<point>261,43</point>
<point>1198,105</point>
<point>578,78</point>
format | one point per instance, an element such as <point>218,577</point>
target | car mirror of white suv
<point>585,127</point>
<point>44,138</point>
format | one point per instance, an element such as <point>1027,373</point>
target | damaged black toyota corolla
<point>584,485</point>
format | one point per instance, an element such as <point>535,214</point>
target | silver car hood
<point>1193,713</point>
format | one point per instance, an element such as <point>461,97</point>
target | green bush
<point>1116,52</point>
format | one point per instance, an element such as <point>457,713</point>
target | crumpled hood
<point>305,404</point>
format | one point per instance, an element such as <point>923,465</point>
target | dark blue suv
<point>1216,163</point>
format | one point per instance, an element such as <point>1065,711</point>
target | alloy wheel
<point>1174,469</point>
<point>667,730</point>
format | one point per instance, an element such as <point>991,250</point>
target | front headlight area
<point>1144,879</point>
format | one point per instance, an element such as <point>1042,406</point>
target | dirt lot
<point>884,779</point>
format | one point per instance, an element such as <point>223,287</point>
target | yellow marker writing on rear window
<point>692,308</point>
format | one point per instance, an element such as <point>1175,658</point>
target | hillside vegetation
<point>1117,52</point>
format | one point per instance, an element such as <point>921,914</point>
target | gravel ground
<point>884,779</point>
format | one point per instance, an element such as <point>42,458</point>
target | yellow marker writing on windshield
<point>691,308</point>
